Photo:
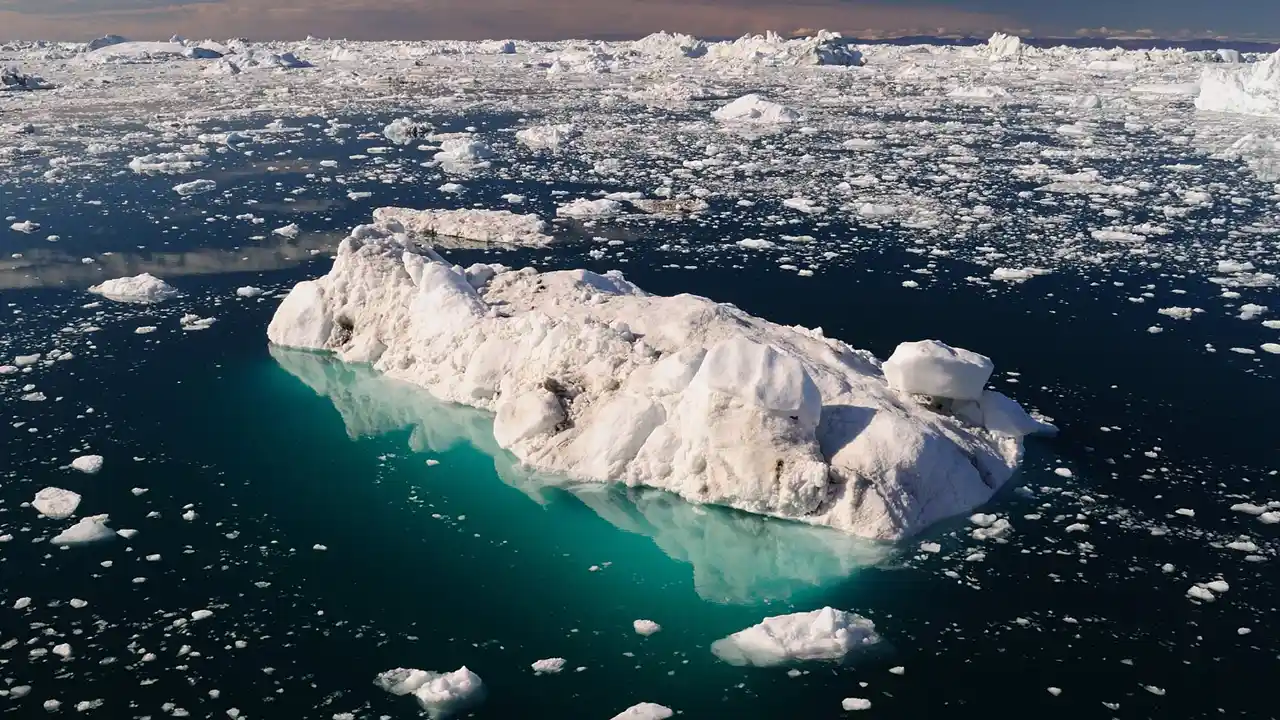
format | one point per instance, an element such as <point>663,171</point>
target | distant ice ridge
<point>822,48</point>
<point>1249,89</point>
<point>595,380</point>
<point>440,694</point>
<point>124,53</point>
<point>825,634</point>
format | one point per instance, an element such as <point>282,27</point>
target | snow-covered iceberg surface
<point>596,380</point>
<point>1248,89</point>
<point>735,557</point>
<point>825,634</point>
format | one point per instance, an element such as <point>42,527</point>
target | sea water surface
<point>339,524</point>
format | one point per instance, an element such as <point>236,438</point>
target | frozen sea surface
<point>338,524</point>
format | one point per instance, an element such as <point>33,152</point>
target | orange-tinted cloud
<point>481,19</point>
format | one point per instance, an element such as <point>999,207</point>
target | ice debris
<point>88,464</point>
<point>440,694</point>
<point>755,109</point>
<point>89,530</point>
<point>145,288</point>
<point>56,503</point>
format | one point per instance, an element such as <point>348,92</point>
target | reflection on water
<point>41,267</point>
<point>736,557</point>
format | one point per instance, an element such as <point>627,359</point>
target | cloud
<point>468,19</point>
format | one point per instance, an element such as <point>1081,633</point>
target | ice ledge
<point>594,379</point>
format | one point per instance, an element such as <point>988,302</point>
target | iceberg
<point>1004,47</point>
<point>825,634</point>
<point>14,80</point>
<point>592,379</point>
<point>89,530</point>
<point>1247,90</point>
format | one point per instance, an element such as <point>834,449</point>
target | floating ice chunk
<point>979,93</point>
<point>755,109</point>
<point>14,80</point>
<point>583,208</point>
<point>825,634</point>
<point>852,704</point>
<point>191,322</point>
<point>755,244</point>
<point>548,666</point>
<point>289,231</point>
<point>22,603</point>
<point>1231,267</point>
<point>62,650</point>
<point>1203,594</point>
<point>403,131</point>
<point>463,152</point>
<point>440,694</point>
<point>89,530</point>
<point>1273,348</point>
<point>56,503</point>
<point>88,464</point>
<point>1004,47</point>
<point>646,627</point>
<point>201,615</point>
<point>645,711</point>
<point>485,226</point>
<point>1249,311</point>
<point>26,226</point>
<point>932,368</point>
<point>168,163</point>
<point>1016,275</point>
<point>546,137</point>
<point>1178,313</point>
<point>144,288</point>
<point>248,291</point>
<point>195,187</point>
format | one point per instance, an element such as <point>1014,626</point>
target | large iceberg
<point>593,379</point>
<point>1249,90</point>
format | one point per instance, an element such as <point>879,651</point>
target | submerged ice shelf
<point>593,379</point>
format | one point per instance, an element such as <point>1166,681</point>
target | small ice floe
<point>248,291</point>
<point>88,464</point>
<point>584,209</point>
<point>645,711</point>
<point>288,231</point>
<point>646,627</point>
<point>56,503</point>
<point>755,109</point>
<point>1201,593</point>
<point>195,187</point>
<point>825,634</point>
<point>144,289</point>
<point>26,226</point>
<point>440,694</point>
<point>548,666</point>
<point>852,704</point>
<point>199,615</point>
<point>89,530</point>
<point>192,322</point>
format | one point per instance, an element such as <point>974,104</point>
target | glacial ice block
<point>592,379</point>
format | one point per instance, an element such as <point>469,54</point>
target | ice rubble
<point>755,109</point>
<point>147,52</point>
<point>545,137</point>
<point>440,694</point>
<point>403,131</point>
<point>1249,90</point>
<point>463,152</point>
<point>825,634</point>
<point>485,226</point>
<point>144,288</point>
<point>593,379</point>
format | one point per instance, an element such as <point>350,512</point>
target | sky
<point>557,19</point>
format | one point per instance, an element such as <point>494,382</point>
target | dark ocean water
<point>330,549</point>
